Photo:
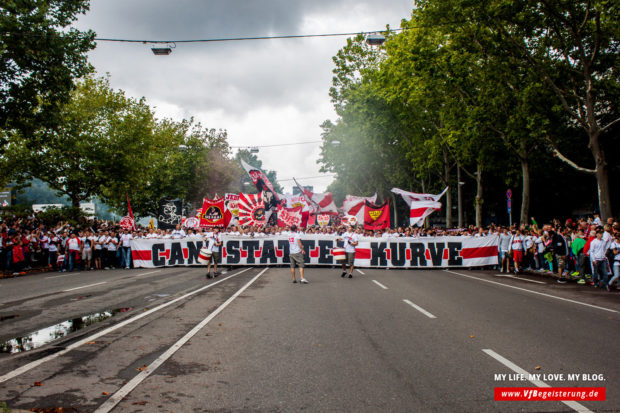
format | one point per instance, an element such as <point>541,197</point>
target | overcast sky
<point>262,92</point>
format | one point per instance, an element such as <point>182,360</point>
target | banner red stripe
<point>363,253</point>
<point>145,255</point>
<point>479,252</point>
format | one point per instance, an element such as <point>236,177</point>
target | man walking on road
<point>215,242</point>
<point>350,239</point>
<point>296,254</point>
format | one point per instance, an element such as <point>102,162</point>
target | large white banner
<point>428,252</point>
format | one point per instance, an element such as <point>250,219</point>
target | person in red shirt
<point>19,261</point>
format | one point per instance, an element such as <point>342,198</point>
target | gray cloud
<point>267,90</point>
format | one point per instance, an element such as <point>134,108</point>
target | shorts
<point>349,258</point>
<point>296,259</point>
<point>87,255</point>
<point>216,257</point>
<point>96,254</point>
<point>517,255</point>
<point>561,261</point>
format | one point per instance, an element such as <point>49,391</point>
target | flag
<point>294,201</point>
<point>376,216</point>
<point>289,216</point>
<point>133,221</point>
<point>319,203</point>
<point>420,205</point>
<point>263,184</point>
<point>151,224</point>
<point>213,214</point>
<point>251,209</point>
<point>354,205</point>
<point>170,213</point>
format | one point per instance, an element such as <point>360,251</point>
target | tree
<point>39,59</point>
<point>103,138</point>
<point>572,49</point>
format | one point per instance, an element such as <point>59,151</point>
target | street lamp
<point>163,51</point>
<point>375,39</point>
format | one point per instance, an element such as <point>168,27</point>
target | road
<point>250,340</point>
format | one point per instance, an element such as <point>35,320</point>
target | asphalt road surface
<point>169,340</point>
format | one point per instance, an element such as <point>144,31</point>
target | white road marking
<point>420,309</point>
<point>146,273</point>
<point>12,374</point>
<point>64,275</point>
<point>379,284</point>
<point>534,292</point>
<point>84,286</point>
<point>517,278</point>
<point>573,405</point>
<point>133,383</point>
<point>359,271</point>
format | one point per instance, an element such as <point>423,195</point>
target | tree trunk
<point>525,196</point>
<point>459,197</point>
<point>446,178</point>
<point>602,178</point>
<point>479,198</point>
<point>395,222</point>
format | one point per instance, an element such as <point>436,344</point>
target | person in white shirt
<point>214,242</point>
<point>503,247</point>
<point>125,248</point>
<point>87,249</point>
<point>615,249</point>
<point>597,253</point>
<point>516,247</point>
<point>350,239</point>
<point>111,245</point>
<point>177,233</point>
<point>98,250</point>
<point>45,248</point>
<point>296,254</point>
<point>54,243</point>
<point>74,250</point>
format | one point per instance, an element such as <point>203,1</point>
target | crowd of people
<point>586,250</point>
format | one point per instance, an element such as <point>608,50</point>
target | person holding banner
<point>215,242</point>
<point>296,254</point>
<point>350,239</point>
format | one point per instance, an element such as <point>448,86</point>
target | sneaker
<point>209,275</point>
<point>303,281</point>
<point>575,274</point>
<point>350,275</point>
<point>343,274</point>
<point>581,282</point>
<point>607,288</point>
<point>294,281</point>
<point>561,281</point>
<point>215,274</point>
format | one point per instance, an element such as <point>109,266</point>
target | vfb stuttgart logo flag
<point>376,216</point>
<point>212,214</point>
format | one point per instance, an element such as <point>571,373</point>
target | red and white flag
<point>420,205</point>
<point>376,216</point>
<point>130,212</point>
<point>319,203</point>
<point>289,216</point>
<point>251,209</point>
<point>354,205</point>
